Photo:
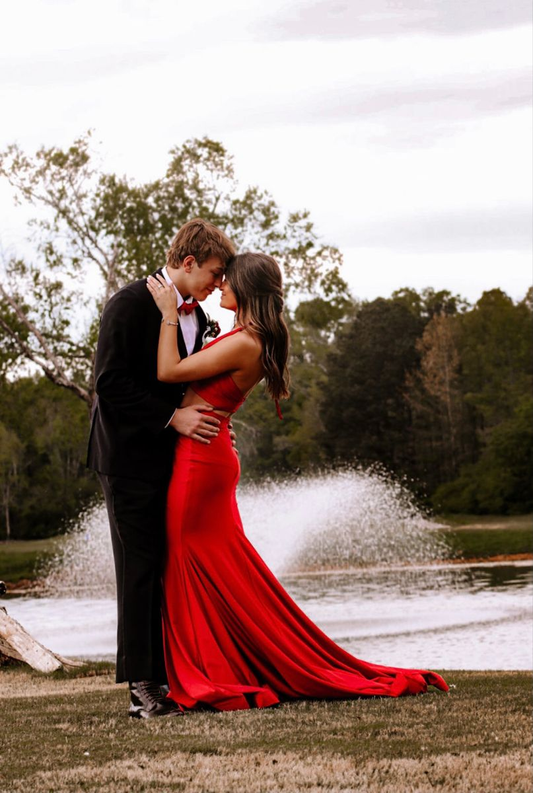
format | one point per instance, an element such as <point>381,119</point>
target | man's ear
<point>188,263</point>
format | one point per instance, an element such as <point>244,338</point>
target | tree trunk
<point>15,642</point>
<point>6,512</point>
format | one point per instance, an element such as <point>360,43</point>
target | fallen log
<point>17,643</point>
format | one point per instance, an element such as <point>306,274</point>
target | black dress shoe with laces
<point>147,701</point>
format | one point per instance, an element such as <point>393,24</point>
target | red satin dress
<point>233,637</point>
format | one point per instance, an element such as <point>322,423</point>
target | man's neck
<point>176,275</point>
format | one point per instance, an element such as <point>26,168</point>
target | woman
<point>233,637</point>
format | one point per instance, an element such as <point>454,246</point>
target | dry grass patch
<point>15,685</point>
<point>287,772</point>
<point>75,735</point>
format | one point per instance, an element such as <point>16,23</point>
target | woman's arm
<point>228,355</point>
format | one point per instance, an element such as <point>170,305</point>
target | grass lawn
<point>61,733</point>
<point>19,558</point>
<point>489,536</point>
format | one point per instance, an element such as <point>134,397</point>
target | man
<point>133,432</point>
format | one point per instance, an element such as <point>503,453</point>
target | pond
<point>439,617</point>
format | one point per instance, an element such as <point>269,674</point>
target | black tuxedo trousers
<point>131,448</point>
<point>136,511</point>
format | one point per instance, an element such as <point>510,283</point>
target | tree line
<point>434,390</point>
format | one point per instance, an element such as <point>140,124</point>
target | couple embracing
<point>202,621</point>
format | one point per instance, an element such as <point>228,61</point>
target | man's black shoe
<point>147,702</point>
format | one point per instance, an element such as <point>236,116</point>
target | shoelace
<point>152,689</point>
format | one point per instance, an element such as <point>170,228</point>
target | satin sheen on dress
<point>233,637</point>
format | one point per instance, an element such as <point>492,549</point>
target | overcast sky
<point>404,126</point>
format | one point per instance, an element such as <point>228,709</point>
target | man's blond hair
<point>200,239</point>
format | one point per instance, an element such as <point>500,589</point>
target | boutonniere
<point>212,330</point>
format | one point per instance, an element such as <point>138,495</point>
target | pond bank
<point>29,586</point>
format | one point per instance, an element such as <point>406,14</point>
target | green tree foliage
<point>442,426</point>
<point>500,481</point>
<point>495,353</point>
<point>364,411</point>
<point>42,457</point>
<point>438,392</point>
<point>496,347</point>
<point>95,231</point>
<point>10,455</point>
<point>427,303</point>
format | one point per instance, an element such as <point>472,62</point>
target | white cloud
<point>489,228</point>
<point>373,273</point>
<point>68,67</point>
<point>335,19</point>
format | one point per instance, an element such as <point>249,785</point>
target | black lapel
<point>202,325</point>
<point>156,313</point>
<point>181,344</point>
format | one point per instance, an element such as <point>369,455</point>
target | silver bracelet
<point>170,323</point>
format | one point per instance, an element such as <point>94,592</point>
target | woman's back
<point>226,391</point>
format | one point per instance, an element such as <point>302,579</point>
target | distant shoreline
<point>26,585</point>
<point>473,539</point>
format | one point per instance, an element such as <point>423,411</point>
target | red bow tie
<point>187,308</point>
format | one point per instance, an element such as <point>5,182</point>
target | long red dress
<point>234,639</point>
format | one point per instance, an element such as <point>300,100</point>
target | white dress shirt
<point>188,322</point>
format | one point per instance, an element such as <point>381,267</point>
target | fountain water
<point>333,520</point>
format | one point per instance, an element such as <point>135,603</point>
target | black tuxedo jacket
<point>128,434</point>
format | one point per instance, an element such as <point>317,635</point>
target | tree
<point>44,468</point>
<point>10,455</point>
<point>315,326</point>
<point>364,410</point>
<point>441,422</point>
<point>496,351</point>
<point>495,347</point>
<point>500,481</point>
<point>95,231</point>
<point>427,303</point>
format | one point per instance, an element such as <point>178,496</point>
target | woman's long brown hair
<point>255,279</point>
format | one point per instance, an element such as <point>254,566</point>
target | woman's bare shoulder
<point>246,339</point>
<point>251,341</point>
<point>244,344</point>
